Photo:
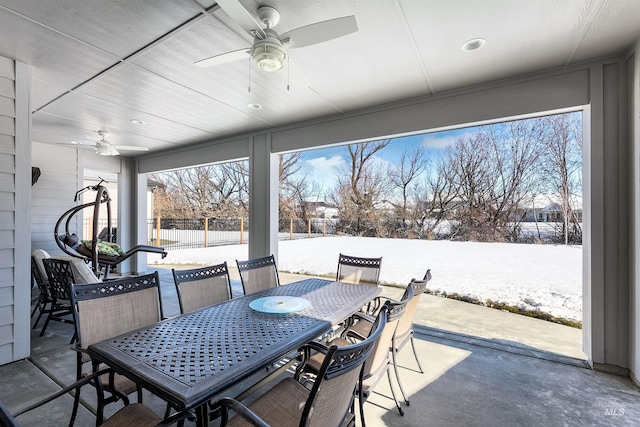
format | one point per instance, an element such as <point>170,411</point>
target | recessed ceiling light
<point>137,122</point>
<point>473,44</point>
<point>254,106</point>
<point>74,142</point>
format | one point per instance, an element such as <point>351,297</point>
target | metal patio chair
<point>359,327</point>
<point>326,403</point>
<point>202,287</point>
<point>358,270</point>
<point>108,309</point>
<point>59,276</point>
<point>258,274</point>
<point>43,301</point>
<point>404,331</point>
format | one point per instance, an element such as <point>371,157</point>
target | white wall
<point>15,184</point>
<point>62,174</point>
<point>7,208</point>
<point>53,194</point>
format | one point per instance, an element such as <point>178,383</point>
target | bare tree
<point>434,198</point>
<point>563,165</point>
<point>494,172</point>
<point>295,189</point>
<point>234,191</point>
<point>518,150</point>
<point>361,186</point>
<point>218,191</point>
<point>470,175</point>
<point>403,174</point>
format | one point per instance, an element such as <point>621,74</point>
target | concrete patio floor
<point>483,367</point>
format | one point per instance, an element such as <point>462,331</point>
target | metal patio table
<point>191,358</point>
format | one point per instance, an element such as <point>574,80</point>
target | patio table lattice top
<point>193,356</point>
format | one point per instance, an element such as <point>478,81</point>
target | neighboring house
<point>322,210</point>
<point>548,208</point>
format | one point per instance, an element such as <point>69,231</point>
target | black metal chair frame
<point>85,292</point>
<point>354,261</point>
<point>252,264</point>
<point>419,287</point>
<point>337,361</point>
<point>395,310</point>
<point>369,263</point>
<point>43,299</point>
<point>60,276</point>
<point>183,276</point>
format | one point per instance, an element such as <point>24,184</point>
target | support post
<point>263,198</point>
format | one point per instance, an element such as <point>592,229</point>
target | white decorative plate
<point>279,305</point>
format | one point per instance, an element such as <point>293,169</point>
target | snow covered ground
<point>543,277</point>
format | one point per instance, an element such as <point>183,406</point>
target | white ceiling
<point>96,64</point>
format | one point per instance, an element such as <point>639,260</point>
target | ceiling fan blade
<point>80,145</point>
<point>130,148</point>
<point>242,16</point>
<point>223,58</point>
<point>320,31</point>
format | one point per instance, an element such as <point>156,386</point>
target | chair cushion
<point>104,248</point>
<point>361,329</point>
<point>39,255</point>
<point>281,406</point>
<point>315,361</point>
<point>81,270</point>
<point>135,414</point>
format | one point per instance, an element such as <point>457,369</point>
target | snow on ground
<point>546,277</point>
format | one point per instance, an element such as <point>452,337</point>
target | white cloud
<point>323,165</point>
<point>322,170</point>
<point>440,141</point>
<point>381,163</point>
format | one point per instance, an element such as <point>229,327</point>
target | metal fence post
<point>241,231</point>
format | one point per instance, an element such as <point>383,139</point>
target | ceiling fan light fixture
<point>268,54</point>
<point>106,149</point>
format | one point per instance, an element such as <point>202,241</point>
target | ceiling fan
<point>104,148</point>
<point>268,50</point>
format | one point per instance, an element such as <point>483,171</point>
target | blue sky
<point>321,165</point>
